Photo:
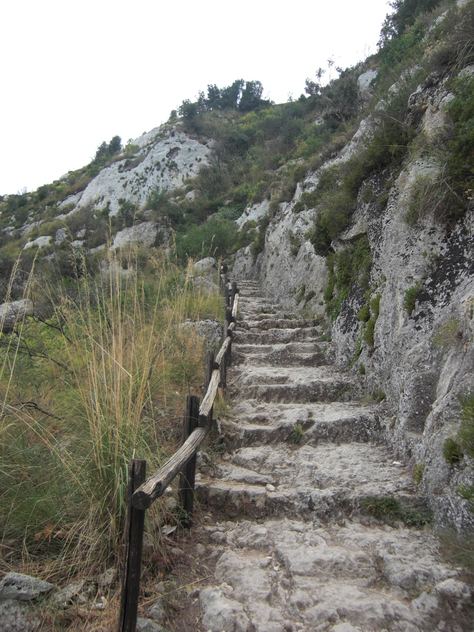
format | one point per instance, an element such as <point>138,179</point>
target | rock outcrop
<point>421,358</point>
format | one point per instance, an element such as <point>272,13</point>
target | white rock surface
<point>205,266</point>
<point>144,234</point>
<point>164,164</point>
<point>23,587</point>
<point>15,311</point>
<point>253,212</point>
<point>364,80</point>
<point>39,242</point>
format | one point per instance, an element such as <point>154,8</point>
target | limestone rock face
<point>163,162</point>
<point>421,361</point>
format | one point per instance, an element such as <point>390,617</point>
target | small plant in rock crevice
<point>390,508</point>
<point>418,473</point>
<point>452,451</point>
<point>297,434</point>
<point>410,298</point>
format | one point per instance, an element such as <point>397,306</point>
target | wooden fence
<point>141,493</point>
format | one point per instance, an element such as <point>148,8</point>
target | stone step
<point>292,354</point>
<point>276,323</point>
<point>293,384</point>
<point>327,481</point>
<point>276,336</point>
<point>293,575</point>
<point>253,423</point>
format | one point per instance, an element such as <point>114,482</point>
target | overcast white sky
<point>73,74</point>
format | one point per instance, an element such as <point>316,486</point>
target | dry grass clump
<point>99,378</point>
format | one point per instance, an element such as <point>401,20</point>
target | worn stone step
<point>293,575</point>
<point>254,423</point>
<point>327,481</point>
<point>276,323</point>
<point>276,336</point>
<point>292,354</point>
<point>293,384</point>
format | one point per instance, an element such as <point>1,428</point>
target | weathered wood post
<point>209,368</point>
<point>186,478</point>
<point>233,293</point>
<point>225,334</point>
<point>132,558</point>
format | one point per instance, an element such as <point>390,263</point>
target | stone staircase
<point>295,549</point>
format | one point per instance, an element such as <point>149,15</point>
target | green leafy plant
<point>418,473</point>
<point>466,431</point>
<point>297,434</point>
<point>390,508</point>
<point>452,451</point>
<point>411,295</point>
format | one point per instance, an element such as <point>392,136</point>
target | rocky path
<point>295,548</point>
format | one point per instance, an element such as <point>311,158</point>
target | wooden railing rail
<point>196,425</point>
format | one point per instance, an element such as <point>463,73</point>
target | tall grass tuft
<point>99,378</point>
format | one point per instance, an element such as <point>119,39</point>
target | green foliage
<point>377,395</point>
<point>448,335</point>
<point>108,150</point>
<point>349,266</point>
<point>461,161</point>
<point>390,508</point>
<point>364,314</point>
<point>466,432</point>
<point>452,451</point>
<point>411,295</point>
<point>418,473</point>
<point>297,434</point>
<point>369,332</point>
<point>217,237</point>
<point>375,305</point>
<point>259,243</point>
<point>295,243</point>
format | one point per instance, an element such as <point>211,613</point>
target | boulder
<point>144,234</point>
<point>12,312</point>
<point>23,587</point>
<point>205,266</point>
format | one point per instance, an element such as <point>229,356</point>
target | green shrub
<point>466,432</point>
<point>364,314</point>
<point>369,331</point>
<point>452,451</point>
<point>297,434</point>
<point>390,508</point>
<point>418,473</point>
<point>449,335</point>
<point>375,306</point>
<point>259,243</point>
<point>461,110</point>
<point>411,296</point>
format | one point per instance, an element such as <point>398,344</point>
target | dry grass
<point>100,380</point>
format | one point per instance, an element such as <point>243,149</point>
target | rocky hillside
<point>352,203</point>
<point>396,276</point>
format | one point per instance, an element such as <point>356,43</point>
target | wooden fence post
<point>209,368</point>
<point>233,293</point>
<point>226,291</point>
<point>132,558</point>
<point>225,334</point>
<point>186,478</point>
